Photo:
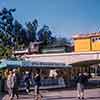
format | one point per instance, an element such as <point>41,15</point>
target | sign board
<point>43,64</point>
<point>13,63</point>
<point>20,63</point>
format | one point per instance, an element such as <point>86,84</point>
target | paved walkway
<point>90,94</point>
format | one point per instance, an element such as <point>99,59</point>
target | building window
<point>96,39</point>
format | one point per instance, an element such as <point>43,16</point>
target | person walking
<point>27,81</point>
<point>37,85</point>
<point>9,84</point>
<point>81,81</point>
<point>15,82</point>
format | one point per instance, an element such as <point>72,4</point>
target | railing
<point>45,84</point>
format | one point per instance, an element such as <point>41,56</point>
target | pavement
<point>60,94</point>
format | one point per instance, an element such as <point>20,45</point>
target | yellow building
<point>87,42</point>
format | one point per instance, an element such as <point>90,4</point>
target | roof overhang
<point>30,64</point>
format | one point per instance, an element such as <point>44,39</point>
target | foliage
<point>14,35</point>
<point>31,30</point>
<point>6,35</point>
<point>45,35</point>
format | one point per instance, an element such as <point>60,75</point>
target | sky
<point>64,17</point>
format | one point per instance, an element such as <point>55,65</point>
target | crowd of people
<point>13,82</point>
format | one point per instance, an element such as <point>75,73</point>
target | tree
<point>44,35</point>
<point>6,22</point>
<point>6,32</point>
<point>31,30</point>
<point>12,32</point>
<point>11,28</point>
